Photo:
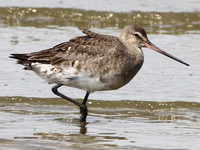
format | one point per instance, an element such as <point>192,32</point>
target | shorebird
<point>94,62</point>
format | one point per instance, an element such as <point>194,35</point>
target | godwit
<point>93,62</point>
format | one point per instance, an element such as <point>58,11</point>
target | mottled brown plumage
<point>93,62</point>
<point>107,54</point>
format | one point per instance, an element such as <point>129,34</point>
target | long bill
<point>157,49</point>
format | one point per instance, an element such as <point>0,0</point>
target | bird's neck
<point>131,49</point>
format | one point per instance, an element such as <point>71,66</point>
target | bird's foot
<point>84,113</point>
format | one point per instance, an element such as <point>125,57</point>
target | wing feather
<point>79,48</point>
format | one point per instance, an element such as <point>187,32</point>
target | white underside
<point>69,77</point>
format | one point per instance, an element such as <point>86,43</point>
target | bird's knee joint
<point>54,90</point>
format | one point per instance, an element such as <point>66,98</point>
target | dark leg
<point>84,111</point>
<point>83,107</point>
<point>86,98</point>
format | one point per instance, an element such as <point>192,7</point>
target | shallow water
<point>158,109</point>
<point>54,124</point>
<point>111,5</point>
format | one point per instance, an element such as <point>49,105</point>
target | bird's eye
<point>136,35</point>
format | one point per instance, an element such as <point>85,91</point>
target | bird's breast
<point>121,71</point>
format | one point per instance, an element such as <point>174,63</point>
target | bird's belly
<point>70,77</point>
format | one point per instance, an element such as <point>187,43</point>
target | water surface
<point>53,124</point>
<point>111,5</point>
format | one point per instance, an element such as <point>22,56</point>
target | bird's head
<point>136,35</point>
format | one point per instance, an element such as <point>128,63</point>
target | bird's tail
<point>43,56</point>
<point>22,59</point>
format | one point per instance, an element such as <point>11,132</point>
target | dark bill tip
<point>157,49</point>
